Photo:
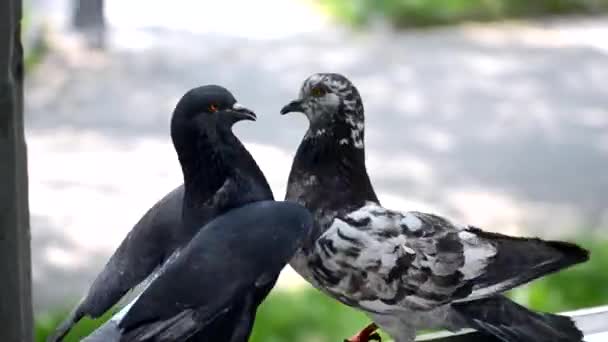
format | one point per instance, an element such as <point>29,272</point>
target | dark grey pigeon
<point>210,290</point>
<point>219,174</point>
<point>406,270</point>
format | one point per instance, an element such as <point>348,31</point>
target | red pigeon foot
<point>367,334</point>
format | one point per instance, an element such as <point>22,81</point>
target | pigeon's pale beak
<point>241,113</point>
<point>293,106</point>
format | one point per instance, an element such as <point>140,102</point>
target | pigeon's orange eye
<point>213,108</point>
<point>317,91</point>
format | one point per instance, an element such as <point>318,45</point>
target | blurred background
<point>491,112</point>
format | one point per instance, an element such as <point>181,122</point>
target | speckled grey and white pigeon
<point>210,290</point>
<point>219,174</point>
<point>406,270</point>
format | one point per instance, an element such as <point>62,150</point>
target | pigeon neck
<point>325,168</point>
<point>203,176</point>
<point>204,167</point>
<point>336,142</point>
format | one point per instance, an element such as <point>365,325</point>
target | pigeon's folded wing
<point>232,256</point>
<point>384,260</point>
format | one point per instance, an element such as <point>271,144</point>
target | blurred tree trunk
<point>15,259</point>
<point>88,18</point>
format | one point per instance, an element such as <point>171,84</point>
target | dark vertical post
<point>15,260</point>
<point>88,18</point>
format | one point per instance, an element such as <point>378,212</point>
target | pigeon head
<point>206,111</point>
<point>201,130</point>
<point>333,107</point>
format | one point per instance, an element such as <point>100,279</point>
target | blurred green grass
<point>306,315</point>
<point>412,13</point>
<point>36,50</point>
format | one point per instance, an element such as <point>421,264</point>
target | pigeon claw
<point>367,334</point>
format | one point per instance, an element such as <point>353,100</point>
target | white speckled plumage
<point>407,270</point>
<point>386,258</point>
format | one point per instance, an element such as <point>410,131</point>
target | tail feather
<point>510,322</point>
<point>64,328</point>
<point>521,260</point>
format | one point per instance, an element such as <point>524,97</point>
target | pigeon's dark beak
<point>293,106</point>
<point>239,113</point>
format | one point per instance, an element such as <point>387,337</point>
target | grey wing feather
<point>139,254</point>
<point>520,260</point>
<point>108,332</point>
<point>509,321</point>
<point>198,281</point>
<point>177,328</point>
<point>191,323</point>
<point>384,260</point>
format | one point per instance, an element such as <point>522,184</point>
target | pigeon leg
<point>367,334</point>
<point>243,328</point>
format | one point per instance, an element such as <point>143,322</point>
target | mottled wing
<point>383,260</point>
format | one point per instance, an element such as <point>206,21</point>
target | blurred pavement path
<point>503,126</point>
